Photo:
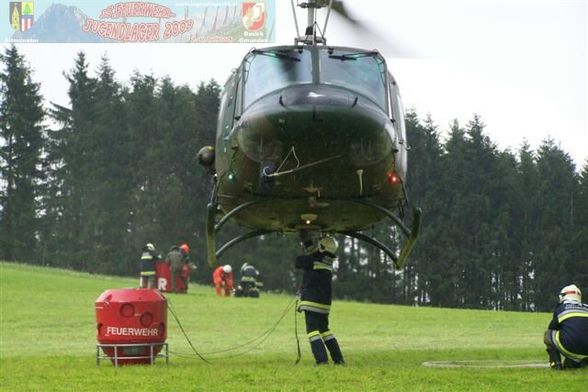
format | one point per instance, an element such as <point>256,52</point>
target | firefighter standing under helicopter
<point>222,278</point>
<point>315,297</point>
<point>567,333</point>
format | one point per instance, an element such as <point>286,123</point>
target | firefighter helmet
<point>227,269</point>
<point>150,247</point>
<point>570,293</point>
<point>328,244</point>
<point>185,248</point>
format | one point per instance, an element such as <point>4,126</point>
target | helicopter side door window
<point>397,112</point>
<point>228,104</point>
<point>396,104</point>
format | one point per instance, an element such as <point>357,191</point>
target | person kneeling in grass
<point>567,333</point>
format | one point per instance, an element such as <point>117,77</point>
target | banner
<point>96,21</point>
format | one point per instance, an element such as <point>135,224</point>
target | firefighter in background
<point>315,297</point>
<point>148,259</point>
<point>185,249</point>
<point>187,267</point>
<point>250,282</point>
<point>175,259</point>
<point>186,270</point>
<point>567,333</point>
<point>222,277</point>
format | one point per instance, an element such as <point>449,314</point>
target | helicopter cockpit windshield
<point>267,70</point>
<point>363,72</point>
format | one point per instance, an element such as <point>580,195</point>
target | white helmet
<point>328,244</point>
<point>570,293</point>
<point>227,269</point>
<point>150,247</point>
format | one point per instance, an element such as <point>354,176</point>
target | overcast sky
<point>520,64</point>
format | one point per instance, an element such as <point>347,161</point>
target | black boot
<point>554,358</point>
<point>335,351</point>
<point>319,352</point>
<point>569,364</point>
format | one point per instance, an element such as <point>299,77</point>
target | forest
<point>85,186</point>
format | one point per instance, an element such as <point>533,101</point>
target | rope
<point>169,306</point>
<point>299,354</point>
<point>298,167</point>
<point>292,151</point>
<point>261,338</point>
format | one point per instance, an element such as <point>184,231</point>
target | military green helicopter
<point>311,140</point>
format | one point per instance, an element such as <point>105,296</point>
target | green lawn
<point>48,342</point>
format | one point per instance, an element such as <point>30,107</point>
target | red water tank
<point>135,317</point>
<point>164,276</point>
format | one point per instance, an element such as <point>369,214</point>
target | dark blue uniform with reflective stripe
<point>570,321</point>
<point>148,260</point>
<point>315,301</point>
<point>316,282</point>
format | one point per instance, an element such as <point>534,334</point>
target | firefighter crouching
<point>250,282</point>
<point>315,298</point>
<point>567,333</point>
<point>222,278</point>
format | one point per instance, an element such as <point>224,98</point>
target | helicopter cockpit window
<point>364,72</point>
<point>270,70</point>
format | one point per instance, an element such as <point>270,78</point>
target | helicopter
<point>310,139</point>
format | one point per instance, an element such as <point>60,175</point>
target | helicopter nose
<point>315,117</point>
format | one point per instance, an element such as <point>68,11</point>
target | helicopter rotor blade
<point>387,46</point>
<point>339,7</point>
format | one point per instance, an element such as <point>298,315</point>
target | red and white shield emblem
<point>253,16</point>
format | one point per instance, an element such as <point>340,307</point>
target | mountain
<point>59,23</point>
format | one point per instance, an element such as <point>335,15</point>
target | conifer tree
<point>108,187</point>
<point>21,149</point>
<point>72,160</point>
<point>425,177</point>
<point>579,240</point>
<point>554,267</point>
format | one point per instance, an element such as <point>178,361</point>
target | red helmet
<point>185,248</point>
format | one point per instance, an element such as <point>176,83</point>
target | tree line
<point>85,186</point>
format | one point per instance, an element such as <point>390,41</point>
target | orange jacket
<point>219,277</point>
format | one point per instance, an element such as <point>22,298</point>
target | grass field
<point>48,343</point>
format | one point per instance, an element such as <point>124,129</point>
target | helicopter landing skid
<point>399,260</point>
<point>405,251</point>
<point>411,234</point>
<point>212,228</point>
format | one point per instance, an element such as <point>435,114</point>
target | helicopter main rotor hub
<point>310,36</point>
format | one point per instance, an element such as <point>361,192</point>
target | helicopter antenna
<point>310,36</point>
